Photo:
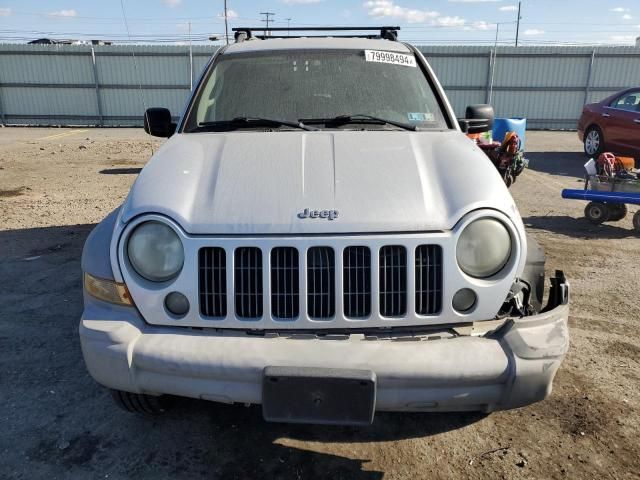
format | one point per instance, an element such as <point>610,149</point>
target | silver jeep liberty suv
<point>319,236</point>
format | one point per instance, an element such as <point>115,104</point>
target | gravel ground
<point>55,184</point>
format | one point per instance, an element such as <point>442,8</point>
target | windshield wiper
<point>251,122</point>
<point>358,118</point>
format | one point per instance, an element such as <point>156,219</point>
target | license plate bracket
<point>328,396</point>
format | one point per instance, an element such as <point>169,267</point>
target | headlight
<point>155,251</point>
<point>484,248</point>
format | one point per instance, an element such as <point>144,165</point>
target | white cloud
<point>386,8</point>
<point>300,2</point>
<point>619,10</point>
<point>509,8</point>
<point>623,38</point>
<point>64,13</point>
<point>450,21</point>
<point>172,3</point>
<point>482,25</point>
<point>346,13</point>
<point>626,16</point>
<point>230,14</point>
<point>534,31</point>
<point>5,12</point>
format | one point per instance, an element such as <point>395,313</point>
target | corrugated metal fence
<point>107,85</point>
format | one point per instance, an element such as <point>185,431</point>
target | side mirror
<point>478,119</point>
<point>157,122</point>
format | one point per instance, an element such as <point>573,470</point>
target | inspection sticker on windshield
<point>390,57</point>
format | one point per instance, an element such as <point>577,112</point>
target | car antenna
<point>135,68</point>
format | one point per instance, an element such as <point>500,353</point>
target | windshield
<point>295,85</point>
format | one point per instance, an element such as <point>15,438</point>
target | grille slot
<point>248,282</point>
<point>284,282</point>
<point>321,282</point>
<point>393,281</point>
<point>356,272</point>
<point>212,281</point>
<point>428,279</point>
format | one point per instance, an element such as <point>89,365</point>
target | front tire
<point>597,212</point>
<point>593,142</point>
<point>139,403</point>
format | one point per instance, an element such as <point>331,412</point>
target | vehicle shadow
<point>121,171</point>
<point>576,227</point>
<point>568,164</point>
<point>63,424</point>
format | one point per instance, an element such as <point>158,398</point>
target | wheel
<point>139,403</point>
<point>617,211</point>
<point>636,221</point>
<point>593,142</point>
<point>596,212</point>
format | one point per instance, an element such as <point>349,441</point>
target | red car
<point>612,125</point>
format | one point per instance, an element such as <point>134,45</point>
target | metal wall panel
<point>460,99</point>
<point>547,85</point>
<point>49,101</point>
<point>129,102</point>
<point>59,85</point>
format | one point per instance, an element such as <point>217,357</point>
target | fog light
<point>177,304</point>
<point>464,300</point>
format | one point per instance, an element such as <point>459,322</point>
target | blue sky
<point>426,21</point>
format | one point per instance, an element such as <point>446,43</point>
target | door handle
<point>637,120</point>
<point>606,115</point>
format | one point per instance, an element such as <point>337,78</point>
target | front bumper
<point>509,367</point>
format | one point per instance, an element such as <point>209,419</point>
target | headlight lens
<point>484,248</point>
<point>155,251</point>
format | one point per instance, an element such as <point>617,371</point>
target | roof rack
<point>244,33</point>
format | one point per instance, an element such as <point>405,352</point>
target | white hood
<point>257,182</point>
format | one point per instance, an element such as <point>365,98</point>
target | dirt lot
<point>55,184</point>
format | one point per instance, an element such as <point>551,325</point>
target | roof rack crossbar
<point>312,29</point>
<point>386,32</point>
<point>266,37</point>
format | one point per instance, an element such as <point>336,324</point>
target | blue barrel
<point>503,125</point>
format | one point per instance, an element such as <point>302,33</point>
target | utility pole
<point>518,24</point>
<point>288,21</point>
<point>190,58</point>
<point>226,25</point>
<point>266,20</point>
<point>493,64</point>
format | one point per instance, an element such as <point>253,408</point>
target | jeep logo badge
<point>328,214</point>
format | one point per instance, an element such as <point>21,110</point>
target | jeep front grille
<point>212,269</point>
<point>428,279</point>
<point>393,281</point>
<point>326,284</point>
<point>321,282</point>
<point>356,273</point>
<point>284,282</point>
<point>248,282</point>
